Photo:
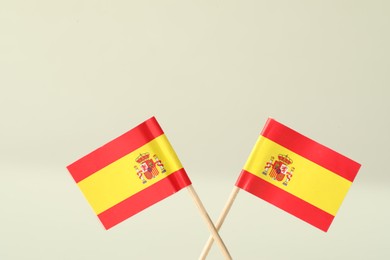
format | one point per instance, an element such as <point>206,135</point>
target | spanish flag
<point>130,173</point>
<point>297,174</point>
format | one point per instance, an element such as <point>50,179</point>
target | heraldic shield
<point>278,171</point>
<point>280,168</point>
<point>148,166</point>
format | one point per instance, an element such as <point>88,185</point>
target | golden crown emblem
<point>285,159</point>
<point>142,157</point>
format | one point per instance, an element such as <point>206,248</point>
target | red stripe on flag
<point>116,149</point>
<point>284,200</point>
<point>145,198</point>
<point>310,149</point>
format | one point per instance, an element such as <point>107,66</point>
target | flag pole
<point>220,221</point>
<point>206,217</point>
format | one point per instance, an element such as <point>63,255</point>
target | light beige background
<point>75,74</point>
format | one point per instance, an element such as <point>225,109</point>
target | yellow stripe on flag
<point>119,180</point>
<point>310,182</point>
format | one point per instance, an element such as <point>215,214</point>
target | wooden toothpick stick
<point>214,233</point>
<point>220,221</point>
